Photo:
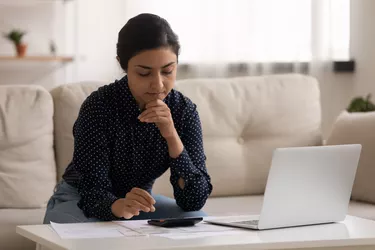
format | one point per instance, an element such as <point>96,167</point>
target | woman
<point>128,133</point>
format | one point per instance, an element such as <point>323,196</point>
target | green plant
<point>15,36</point>
<point>359,104</point>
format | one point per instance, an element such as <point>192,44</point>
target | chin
<point>152,97</point>
<point>162,97</point>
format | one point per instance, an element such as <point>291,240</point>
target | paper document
<point>142,227</point>
<point>183,236</point>
<point>205,227</point>
<point>92,230</point>
<point>137,228</point>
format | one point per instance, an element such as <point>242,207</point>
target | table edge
<point>33,237</point>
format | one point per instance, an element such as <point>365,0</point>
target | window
<point>340,27</point>
<point>228,31</point>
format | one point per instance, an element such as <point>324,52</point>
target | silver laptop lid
<point>309,185</point>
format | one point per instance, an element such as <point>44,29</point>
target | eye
<point>144,75</point>
<point>167,72</point>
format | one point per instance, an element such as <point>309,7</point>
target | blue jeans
<point>62,207</point>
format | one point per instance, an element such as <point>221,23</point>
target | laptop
<point>305,186</point>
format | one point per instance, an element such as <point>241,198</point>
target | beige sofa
<point>243,120</point>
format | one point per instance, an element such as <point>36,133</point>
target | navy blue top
<point>114,151</point>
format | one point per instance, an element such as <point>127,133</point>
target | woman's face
<point>152,74</point>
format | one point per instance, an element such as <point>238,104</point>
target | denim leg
<point>62,206</point>
<point>166,207</point>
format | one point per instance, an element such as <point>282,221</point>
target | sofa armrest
<point>358,128</point>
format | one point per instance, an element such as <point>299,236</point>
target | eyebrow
<point>147,67</point>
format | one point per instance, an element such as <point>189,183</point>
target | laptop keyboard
<point>248,222</point>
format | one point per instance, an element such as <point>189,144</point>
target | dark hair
<point>144,32</point>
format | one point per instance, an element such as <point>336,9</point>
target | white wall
<point>363,45</point>
<point>338,89</point>
<point>99,22</point>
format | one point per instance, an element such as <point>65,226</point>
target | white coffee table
<point>353,233</point>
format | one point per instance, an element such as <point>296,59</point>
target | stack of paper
<point>198,231</point>
<point>181,236</point>
<point>138,228</point>
<point>92,230</point>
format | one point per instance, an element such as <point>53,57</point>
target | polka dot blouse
<point>114,151</point>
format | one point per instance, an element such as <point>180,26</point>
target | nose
<point>157,82</point>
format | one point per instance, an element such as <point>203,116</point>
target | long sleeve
<point>190,165</point>
<point>91,159</point>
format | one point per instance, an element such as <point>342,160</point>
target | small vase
<point>21,49</point>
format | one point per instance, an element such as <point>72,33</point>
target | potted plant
<point>356,118</point>
<point>359,104</point>
<point>16,36</point>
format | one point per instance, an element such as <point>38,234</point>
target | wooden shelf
<point>63,59</point>
<point>25,3</point>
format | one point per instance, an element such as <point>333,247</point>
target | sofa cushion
<point>358,128</point>
<point>10,219</point>
<point>252,205</point>
<point>27,165</point>
<point>244,119</point>
<point>67,103</point>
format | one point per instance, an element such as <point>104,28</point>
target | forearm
<point>196,182</point>
<point>189,177</point>
<point>98,204</point>
<point>193,196</point>
<point>175,148</point>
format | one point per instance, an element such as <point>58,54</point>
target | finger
<point>157,119</point>
<point>138,198</point>
<point>142,197</point>
<point>151,110</point>
<point>139,206</point>
<point>133,210</point>
<point>127,215</point>
<point>130,212</point>
<point>155,103</point>
<point>155,114</point>
<point>144,194</point>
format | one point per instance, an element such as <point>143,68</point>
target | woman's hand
<point>158,112</point>
<point>136,200</point>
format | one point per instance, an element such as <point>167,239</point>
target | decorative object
<point>359,104</point>
<point>16,36</point>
